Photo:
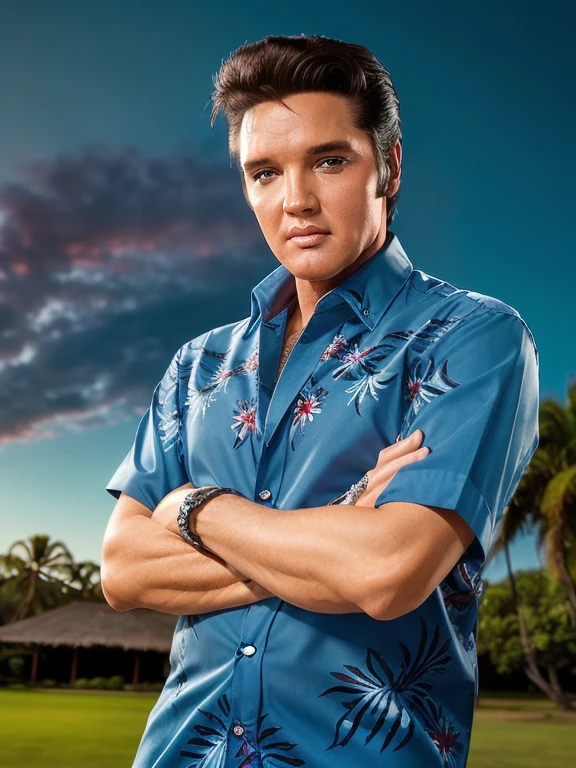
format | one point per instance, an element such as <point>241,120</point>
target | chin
<point>313,261</point>
<point>313,273</point>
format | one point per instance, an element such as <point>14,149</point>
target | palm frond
<point>559,496</point>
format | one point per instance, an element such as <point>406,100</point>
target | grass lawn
<point>66,729</point>
<point>521,733</point>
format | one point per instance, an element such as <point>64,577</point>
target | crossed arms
<point>383,561</point>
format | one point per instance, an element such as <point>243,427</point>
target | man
<point>313,633</point>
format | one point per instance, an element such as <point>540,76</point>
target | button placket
<point>245,691</point>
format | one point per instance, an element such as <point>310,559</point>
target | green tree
<point>549,626</point>
<point>545,499</point>
<point>34,568</point>
<point>10,595</point>
<point>84,579</point>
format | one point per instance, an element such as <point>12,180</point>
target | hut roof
<point>86,624</point>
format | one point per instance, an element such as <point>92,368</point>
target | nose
<point>299,197</point>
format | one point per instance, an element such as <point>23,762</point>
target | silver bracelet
<point>352,495</point>
<point>192,502</point>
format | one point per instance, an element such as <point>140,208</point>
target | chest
<point>338,401</point>
<point>289,342</point>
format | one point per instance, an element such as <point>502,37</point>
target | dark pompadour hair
<point>279,66</point>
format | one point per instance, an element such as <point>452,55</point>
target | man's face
<point>334,189</point>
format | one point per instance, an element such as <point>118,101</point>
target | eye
<point>340,161</point>
<point>258,175</point>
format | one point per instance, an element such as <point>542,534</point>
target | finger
<point>391,467</point>
<point>409,444</point>
<point>415,438</point>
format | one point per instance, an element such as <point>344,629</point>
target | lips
<point>304,238</point>
<point>311,230</point>
<point>309,240</point>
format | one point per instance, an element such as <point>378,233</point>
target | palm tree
<point>557,465</point>
<point>11,568</point>
<point>35,564</point>
<point>545,502</point>
<point>545,499</point>
<point>84,578</point>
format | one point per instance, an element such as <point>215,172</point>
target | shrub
<point>97,682</point>
<point>15,665</point>
<point>114,683</point>
<point>82,682</point>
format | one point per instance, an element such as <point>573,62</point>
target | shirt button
<point>265,495</point>
<point>238,730</point>
<point>365,312</point>
<point>249,650</point>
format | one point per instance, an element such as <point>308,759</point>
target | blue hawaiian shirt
<point>389,350</point>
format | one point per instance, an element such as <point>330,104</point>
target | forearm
<point>146,566</point>
<point>305,593</point>
<point>318,558</point>
<point>293,587</point>
<point>169,600</point>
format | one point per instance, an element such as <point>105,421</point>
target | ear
<point>395,169</point>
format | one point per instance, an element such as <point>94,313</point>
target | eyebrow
<point>317,149</point>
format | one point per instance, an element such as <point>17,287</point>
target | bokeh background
<point>124,231</point>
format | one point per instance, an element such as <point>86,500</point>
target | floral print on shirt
<point>208,748</point>
<point>267,750</point>
<point>423,384</point>
<point>367,368</point>
<point>244,421</point>
<point>168,415</point>
<point>386,701</point>
<point>445,737</point>
<point>200,399</point>
<point>308,403</point>
<point>368,372</point>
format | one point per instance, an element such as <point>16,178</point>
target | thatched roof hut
<point>86,624</point>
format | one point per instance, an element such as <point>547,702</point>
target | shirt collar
<point>369,290</point>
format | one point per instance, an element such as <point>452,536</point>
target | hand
<point>390,460</point>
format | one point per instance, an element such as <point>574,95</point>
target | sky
<point>124,232</point>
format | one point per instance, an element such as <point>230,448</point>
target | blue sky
<point>124,232</point>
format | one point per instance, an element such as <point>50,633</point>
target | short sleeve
<point>474,395</point>
<point>154,465</point>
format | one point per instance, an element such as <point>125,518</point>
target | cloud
<point>108,262</point>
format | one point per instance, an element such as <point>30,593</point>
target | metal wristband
<point>193,501</point>
<point>353,494</point>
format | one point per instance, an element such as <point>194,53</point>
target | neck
<point>295,319</point>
